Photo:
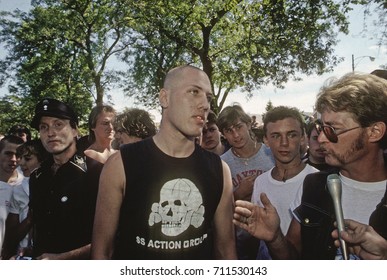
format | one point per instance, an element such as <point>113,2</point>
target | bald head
<point>176,75</point>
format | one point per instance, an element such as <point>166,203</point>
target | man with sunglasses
<point>353,137</point>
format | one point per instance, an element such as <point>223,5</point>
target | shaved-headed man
<point>165,197</point>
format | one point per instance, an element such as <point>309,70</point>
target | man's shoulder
<point>318,175</point>
<point>205,152</point>
<point>5,186</point>
<point>265,153</point>
<point>227,156</point>
<point>309,169</point>
<point>265,176</point>
<point>143,144</point>
<point>314,186</point>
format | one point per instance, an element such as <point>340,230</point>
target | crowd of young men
<point>167,197</point>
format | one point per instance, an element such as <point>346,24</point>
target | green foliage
<point>269,106</point>
<point>239,44</point>
<point>60,49</point>
<point>378,31</point>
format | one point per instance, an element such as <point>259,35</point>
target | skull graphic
<point>180,206</point>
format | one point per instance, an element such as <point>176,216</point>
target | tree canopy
<point>239,44</point>
<point>378,30</point>
<point>63,48</point>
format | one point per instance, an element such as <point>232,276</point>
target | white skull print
<point>180,206</point>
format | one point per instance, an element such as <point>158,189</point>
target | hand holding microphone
<point>334,187</point>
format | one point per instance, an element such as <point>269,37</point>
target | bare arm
<point>363,241</point>
<point>81,253</point>
<point>224,228</point>
<point>110,195</point>
<point>289,246</point>
<point>245,189</point>
<point>98,156</point>
<point>264,223</point>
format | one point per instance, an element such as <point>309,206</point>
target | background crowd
<point>201,185</point>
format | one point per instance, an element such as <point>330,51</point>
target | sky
<point>301,94</point>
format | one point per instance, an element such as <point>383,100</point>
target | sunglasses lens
<point>330,134</point>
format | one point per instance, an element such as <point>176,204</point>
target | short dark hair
<point>93,116</point>
<point>229,115</point>
<point>283,112</point>
<point>211,118</point>
<point>310,127</point>
<point>33,147</point>
<point>136,122</point>
<point>13,139</point>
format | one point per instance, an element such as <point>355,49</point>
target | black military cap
<point>53,108</point>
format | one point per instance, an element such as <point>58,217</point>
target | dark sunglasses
<point>330,132</point>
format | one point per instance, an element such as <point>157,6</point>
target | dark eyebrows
<point>200,88</point>
<point>287,132</point>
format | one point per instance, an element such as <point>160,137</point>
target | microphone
<point>334,187</point>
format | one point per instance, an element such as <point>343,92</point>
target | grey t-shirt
<point>241,168</point>
<point>245,167</point>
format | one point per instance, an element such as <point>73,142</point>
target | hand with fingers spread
<point>261,222</point>
<point>362,240</point>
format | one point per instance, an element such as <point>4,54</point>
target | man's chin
<point>332,161</point>
<point>12,169</point>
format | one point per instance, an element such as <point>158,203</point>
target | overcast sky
<point>298,94</point>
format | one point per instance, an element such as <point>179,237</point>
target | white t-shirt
<point>19,204</point>
<point>6,190</point>
<point>358,199</point>
<point>281,194</point>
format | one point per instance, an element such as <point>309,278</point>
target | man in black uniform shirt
<point>60,199</point>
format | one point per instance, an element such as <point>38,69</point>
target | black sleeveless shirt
<point>169,203</point>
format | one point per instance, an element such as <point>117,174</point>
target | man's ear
<point>163,98</point>
<point>376,131</point>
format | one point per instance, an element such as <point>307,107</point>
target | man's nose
<point>14,157</point>
<point>321,138</point>
<point>284,140</point>
<point>204,104</point>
